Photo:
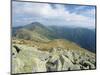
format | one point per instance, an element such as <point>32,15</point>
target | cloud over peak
<point>53,14</point>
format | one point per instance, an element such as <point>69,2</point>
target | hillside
<point>37,28</point>
<point>57,55</point>
<point>37,48</point>
<point>81,36</point>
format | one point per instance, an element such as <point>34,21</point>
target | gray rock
<point>76,67</point>
<point>67,64</point>
<point>30,59</point>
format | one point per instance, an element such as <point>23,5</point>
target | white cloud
<point>47,15</point>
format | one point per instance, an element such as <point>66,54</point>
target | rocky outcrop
<point>29,59</point>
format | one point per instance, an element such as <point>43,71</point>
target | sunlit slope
<point>37,48</point>
<point>34,31</point>
<point>56,55</point>
<point>60,43</point>
<point>30,35</point>
<point>38,32</point>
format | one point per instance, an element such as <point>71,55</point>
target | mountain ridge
<point>40,49</point>
<point>81,35</point>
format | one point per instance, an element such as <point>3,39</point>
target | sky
<point>24,13</point>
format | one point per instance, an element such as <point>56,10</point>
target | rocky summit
<point>36,48</point>
<point>27,59</point>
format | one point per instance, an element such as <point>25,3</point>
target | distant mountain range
<point>84,37</point>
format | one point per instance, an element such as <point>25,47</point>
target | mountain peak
<point>34,25</point>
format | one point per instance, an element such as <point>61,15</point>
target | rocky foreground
<point>27,59</point>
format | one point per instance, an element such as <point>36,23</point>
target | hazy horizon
<point>24,13</point>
